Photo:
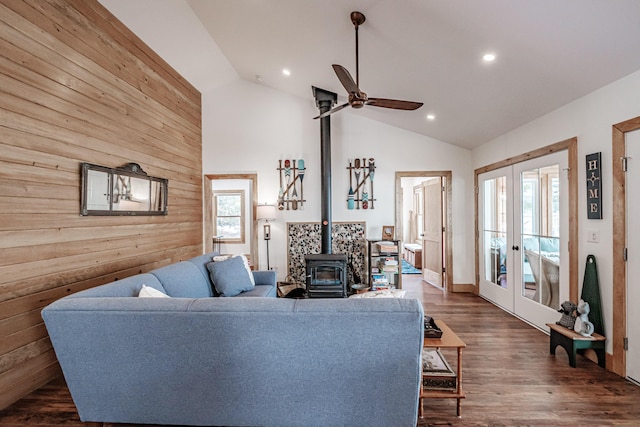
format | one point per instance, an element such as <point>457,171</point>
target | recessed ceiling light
<point>286,72</point>
<point>431,117</point>
<point>489,57</point>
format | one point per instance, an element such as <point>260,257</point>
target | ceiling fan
<point>357,98</point>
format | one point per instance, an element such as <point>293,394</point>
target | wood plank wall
<point>77,86</point>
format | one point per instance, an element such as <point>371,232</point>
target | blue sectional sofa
<point>193,359</point>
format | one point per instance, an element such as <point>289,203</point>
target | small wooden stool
<point>573,343</point>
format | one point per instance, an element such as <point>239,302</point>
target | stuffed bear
<point>568,319</point>
<point>583,326</point>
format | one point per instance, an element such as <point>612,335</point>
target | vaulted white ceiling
<point>549,52</point>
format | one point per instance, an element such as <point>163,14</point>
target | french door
<point>632,153</point>
<point>523,235</point>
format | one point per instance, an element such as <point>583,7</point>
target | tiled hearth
<point>305,238</point>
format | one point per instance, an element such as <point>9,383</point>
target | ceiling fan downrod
<point>358,19</point>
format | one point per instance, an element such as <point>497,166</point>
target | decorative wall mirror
<point>127,190</point>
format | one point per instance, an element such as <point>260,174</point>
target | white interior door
<point>495,207</point>
<point>523,228</point>
<point>432,252</point>
<point>633,249</point>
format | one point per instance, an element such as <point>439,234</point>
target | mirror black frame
<point>117,186</point>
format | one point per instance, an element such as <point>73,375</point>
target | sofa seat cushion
<point>260,291</point>
<point>230,277</point>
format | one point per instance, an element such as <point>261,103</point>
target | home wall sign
<point>594,186</point>
<point>127,190</point>
<point>291,176</point>
<point>361,174</point>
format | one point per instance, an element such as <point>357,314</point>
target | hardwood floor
<point>509,377</point>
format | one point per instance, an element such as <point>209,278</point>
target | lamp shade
<point>267,212</point>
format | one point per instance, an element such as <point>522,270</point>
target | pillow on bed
<point>230,277</point>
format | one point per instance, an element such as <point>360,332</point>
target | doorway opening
<point>230,202</point>
<point>423,223</point>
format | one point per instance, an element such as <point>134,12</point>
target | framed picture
<point>387,232</point>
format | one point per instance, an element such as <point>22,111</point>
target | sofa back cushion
<point>225,361</point>
<point>127,287</point>
<point>183,280</point>
<point>201,262</point>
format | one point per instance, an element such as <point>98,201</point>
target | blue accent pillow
<point>230,277</point>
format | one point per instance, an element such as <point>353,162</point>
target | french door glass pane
<point>495,231</point>
<point>540,237</point>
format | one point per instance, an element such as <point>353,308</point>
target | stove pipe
<point>324,101</point>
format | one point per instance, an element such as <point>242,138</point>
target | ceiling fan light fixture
<point>489,57</point>
<point>431,117</point>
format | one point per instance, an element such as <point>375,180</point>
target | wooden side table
<point>448,340</point>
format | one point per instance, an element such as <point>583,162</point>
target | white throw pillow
<point>149,292</point>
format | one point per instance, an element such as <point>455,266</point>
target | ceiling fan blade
<point>394,103</point>
<point>327,113</point>
<point>346,79</point>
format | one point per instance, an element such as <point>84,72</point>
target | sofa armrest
<point>265,277</point>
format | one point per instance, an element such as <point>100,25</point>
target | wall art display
<point>305,238</point>
<point>290,193</point>
<point>594,186</point>
<point>361,174</point>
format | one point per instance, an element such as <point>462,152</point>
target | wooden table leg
<point>459,383</point>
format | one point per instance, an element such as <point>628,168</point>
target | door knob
<point>515,248</point>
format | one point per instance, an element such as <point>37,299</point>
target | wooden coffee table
<point>448,340</point>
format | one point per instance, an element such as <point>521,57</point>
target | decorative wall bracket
<point>360,192</point>
<point>291,176</point>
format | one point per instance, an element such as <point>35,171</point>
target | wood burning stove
<point>326,275</point>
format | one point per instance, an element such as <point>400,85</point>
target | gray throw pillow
<point>230,277</point>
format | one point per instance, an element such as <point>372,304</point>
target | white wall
<point>590,119</point>
<point>248,127</point>
<point>173,31</point>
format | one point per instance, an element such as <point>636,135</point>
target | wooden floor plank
<point>510,379</point>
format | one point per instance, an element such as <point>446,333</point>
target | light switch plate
<point>593,236</point>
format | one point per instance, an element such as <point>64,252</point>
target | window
<point>228,212</point>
